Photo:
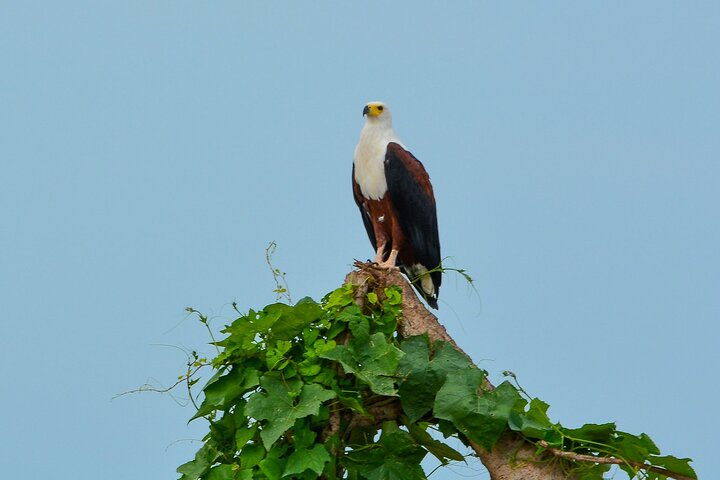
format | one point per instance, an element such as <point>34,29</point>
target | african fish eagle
<point>396,201</point>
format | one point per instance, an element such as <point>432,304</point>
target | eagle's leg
<point>391,261</point>
<point>380,254</point>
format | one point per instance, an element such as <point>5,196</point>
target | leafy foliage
<point>329,390</point>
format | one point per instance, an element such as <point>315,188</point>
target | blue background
<point>149,152</point>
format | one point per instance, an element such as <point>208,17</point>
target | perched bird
<point>396,201</point>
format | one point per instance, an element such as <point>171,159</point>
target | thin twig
<point>149,388</point>
<point>282,289</point>
<point>579,457</point>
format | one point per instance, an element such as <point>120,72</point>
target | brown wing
<point>412,196</point>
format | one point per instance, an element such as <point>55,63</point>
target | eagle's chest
<point>370,170</point>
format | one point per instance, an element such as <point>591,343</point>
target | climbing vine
<point>330,390</point>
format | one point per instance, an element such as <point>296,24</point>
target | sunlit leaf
<point>283,402</point>
<point>373,361</point>
<point>313,459</point>
<point>482,417</point>
<point>422,376</point>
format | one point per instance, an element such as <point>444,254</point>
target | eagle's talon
<point>390,268</point>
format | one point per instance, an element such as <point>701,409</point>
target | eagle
<point>396,202</point>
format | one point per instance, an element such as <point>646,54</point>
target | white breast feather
<point>369,158</point>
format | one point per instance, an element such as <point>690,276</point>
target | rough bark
<point>512,458</point>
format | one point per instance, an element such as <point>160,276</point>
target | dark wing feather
<point>360,201</point>
<point>412,195</point>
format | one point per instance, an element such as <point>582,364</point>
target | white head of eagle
<point>396,202</point>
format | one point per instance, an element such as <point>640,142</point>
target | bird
<point>392,189</point>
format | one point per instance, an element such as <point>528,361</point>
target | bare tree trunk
<point>512,458</point>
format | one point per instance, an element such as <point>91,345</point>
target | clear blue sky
<point>149,151</point>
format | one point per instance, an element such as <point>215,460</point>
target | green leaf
<point>222,432</point>
<point>221,391</point>
<point>272,468</point>
<point>244,475</point>
<point>284,402</point>
<point>274,463</point>
<point>588,471</point>
<point>309,335</point>
<point>440,450</point>
<point>340,297</point>
<point>246,327</point>
<point>251,455</point>
<point>598,433</point>
<point>676,465</point>
<point>373,361</point>
<point>309,370</point>
<point>394,296</point>
<point>303,436</point>
<point>389,314</point>
<point>220,472</point>
<point>422,375</point>
<point>307,459</point>
<point>275,357</point>
<point>535,423</point>
<point>360,328</point>
<point>322,346</point>
<point>395,456</point>
<point>204,458</point>
<point>354,403</point>
<point>447,428</point>
<point>634,448</point>
<point>244,435</point>
<point>291,320</point>
<point>482,417</point>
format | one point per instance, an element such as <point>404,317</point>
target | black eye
<point>380,107</point>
